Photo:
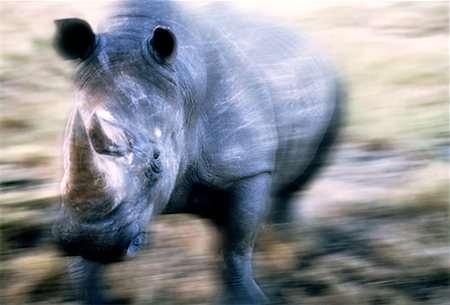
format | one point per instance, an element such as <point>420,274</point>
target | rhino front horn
<point>83,167</point>
<point>87,190</point>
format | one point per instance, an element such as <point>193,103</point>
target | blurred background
<point>373,228</point>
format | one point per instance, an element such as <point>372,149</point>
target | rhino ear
<point>74,38</point>
<point>164,44</point>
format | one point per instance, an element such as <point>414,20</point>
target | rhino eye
<point>156,154</point>
<point>156,162</point>
<point>155,167</point>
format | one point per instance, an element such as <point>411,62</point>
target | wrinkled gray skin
<point>218,115</point>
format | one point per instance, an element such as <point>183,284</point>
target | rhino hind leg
<point>281,210</point>
<point>246,209</point>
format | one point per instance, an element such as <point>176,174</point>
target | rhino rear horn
<point>74,38</point>
<point>106,138</point>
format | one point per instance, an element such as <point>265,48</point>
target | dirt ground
<point>371,229</point>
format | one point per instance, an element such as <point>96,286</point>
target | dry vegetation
<point>373,227</point>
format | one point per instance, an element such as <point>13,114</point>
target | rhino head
<point>121,144</point>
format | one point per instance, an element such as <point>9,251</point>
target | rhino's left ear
<point>74,38</point>
<point>164,44</point>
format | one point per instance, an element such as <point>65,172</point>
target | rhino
<point>208,111</point>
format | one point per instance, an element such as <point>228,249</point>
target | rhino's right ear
<point>74,38</point>
<point>164,44</point>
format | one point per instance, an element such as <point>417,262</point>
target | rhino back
<point>271,96</point>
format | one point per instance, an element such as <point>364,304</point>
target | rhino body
<point>213,113</point>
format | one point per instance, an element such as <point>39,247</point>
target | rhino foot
<point>87,283</point>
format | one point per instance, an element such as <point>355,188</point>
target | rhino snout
<point>104,242</point>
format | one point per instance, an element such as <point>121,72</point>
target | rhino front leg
<point>247,207</point>
<point>87,280</point>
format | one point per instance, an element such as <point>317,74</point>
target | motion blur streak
<point>372,228</point>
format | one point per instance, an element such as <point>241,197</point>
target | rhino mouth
<point>103,242</point>
<point>137,244</point>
